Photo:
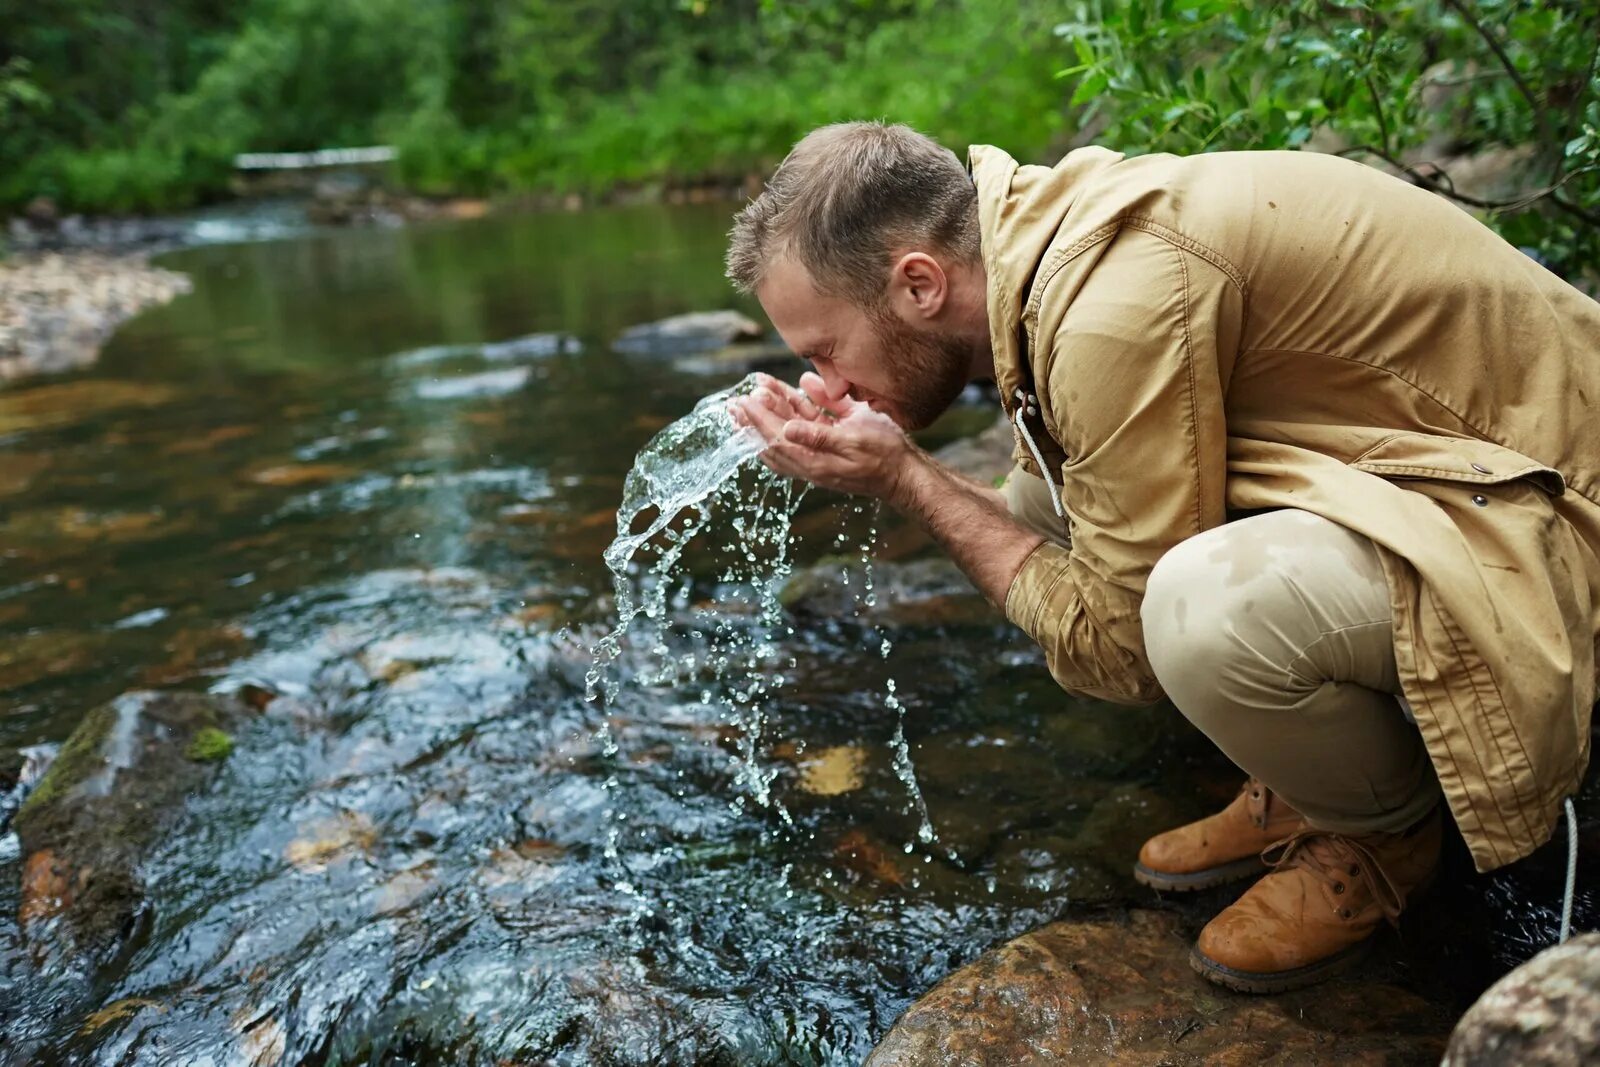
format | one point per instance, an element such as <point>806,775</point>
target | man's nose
<point>833,383</point>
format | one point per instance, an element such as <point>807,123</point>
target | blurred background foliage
<point>139,105</point>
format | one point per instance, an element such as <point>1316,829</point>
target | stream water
<point>379,472</point>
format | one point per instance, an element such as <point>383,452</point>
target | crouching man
<point>1306,449</point>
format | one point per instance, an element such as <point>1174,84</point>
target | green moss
<point>79,758</point>
<point>209,745</point>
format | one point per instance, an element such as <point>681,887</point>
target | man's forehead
<point>800,313</point>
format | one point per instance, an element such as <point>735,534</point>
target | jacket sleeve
<point>1132,384</point>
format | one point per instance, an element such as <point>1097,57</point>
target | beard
<point>928,370</point>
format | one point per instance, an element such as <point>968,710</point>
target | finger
<point>765,421</point>
<point>813,436</point>
<point>776,402</point>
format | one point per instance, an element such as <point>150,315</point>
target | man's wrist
<point>910,482</point>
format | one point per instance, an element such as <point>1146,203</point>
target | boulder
<point>1118,989</point>
<point>682,335</point>
<point>1546,1013</point>
<point>118,780</point>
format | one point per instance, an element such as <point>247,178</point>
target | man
<point>1392,405</point>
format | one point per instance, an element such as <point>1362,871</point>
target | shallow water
<point>312,473</point>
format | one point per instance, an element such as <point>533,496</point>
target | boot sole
<point>1279,981</point>
<point>1194,881</point>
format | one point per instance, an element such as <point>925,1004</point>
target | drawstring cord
<point>1572,872</point>
<point>1029,405</point>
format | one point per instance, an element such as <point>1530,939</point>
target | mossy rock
<point>116,784</point>
<point>210,745</point>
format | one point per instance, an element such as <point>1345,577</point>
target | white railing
<point>325,157</point>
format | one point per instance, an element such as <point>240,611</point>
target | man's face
<point>912,375</point>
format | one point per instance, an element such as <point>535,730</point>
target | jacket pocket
<point>1455,459</point>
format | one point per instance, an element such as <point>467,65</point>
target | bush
<point>1397,83</point>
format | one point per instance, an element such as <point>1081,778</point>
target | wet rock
<point>682,335</point>
<point>924,591</point>
<point>474,386</point>
<point>530,346</point>
<point>984,457</point>
<point>116,783</point>
<point>57,309</point>
<point>740,358</point>
<point>1546,1013</point>
<point>1118,989</point>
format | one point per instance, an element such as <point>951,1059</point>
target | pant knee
<point>1190,641</point>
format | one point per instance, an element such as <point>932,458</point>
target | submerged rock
<point>1546,1013</point>
<point>117,781</point>
<point>918,592</point>
<point>681,335</point>
<point>1118,989</point>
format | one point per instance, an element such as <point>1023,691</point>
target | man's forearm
<point>969,521</point>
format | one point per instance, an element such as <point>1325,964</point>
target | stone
<point>1545,1013</point>
<point>740,358</point>
<point>985,457</point>
<point>683,335</point>
<point>1117,988</point>
<point>117,782</point>
<point>924,590</point>
<point>56,310</point>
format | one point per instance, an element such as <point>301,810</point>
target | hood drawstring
<point>1572,872</point>
<point>1028,404</point>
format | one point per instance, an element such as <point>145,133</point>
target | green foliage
<point>1401,83</point>
<point>109,110</point>
<point>500,95</point>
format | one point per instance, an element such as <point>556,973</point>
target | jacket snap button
<point>1480,500</point>
<point>1481,469</point>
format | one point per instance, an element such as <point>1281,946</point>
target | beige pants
<point>1273,634</point>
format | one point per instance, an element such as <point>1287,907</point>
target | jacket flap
<point>1455,459</point>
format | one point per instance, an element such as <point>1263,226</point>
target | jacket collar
<point>1020,211</point>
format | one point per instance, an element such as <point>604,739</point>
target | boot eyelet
<point>1345,913</point>
<point>1338,887</point>
<point>1355,870</point>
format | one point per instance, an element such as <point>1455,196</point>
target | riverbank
<point>57,309</point>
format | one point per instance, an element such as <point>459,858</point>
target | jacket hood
<point>1020,211</point>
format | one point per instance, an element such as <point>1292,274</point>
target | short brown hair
<point>845,199</point>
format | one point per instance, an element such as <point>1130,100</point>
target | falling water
<point>903,768</point>
<point>699,467</point>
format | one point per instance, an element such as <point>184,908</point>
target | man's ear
<point>918,287</point>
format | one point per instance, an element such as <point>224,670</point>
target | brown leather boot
<point>1219,848</point>
<point>1318,911</point>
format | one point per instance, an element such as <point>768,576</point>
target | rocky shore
<point>58,308</point>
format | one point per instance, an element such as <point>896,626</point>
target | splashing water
<point>698,467</point>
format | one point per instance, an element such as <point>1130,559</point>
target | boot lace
<point>1339,862</point>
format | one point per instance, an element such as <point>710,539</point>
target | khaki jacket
<point>1253,330</point>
